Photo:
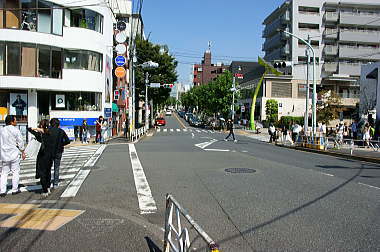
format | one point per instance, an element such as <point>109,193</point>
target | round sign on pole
<point>121,48</point>
<point>121,37</point>
<point>120,72</point>
<point>121,25</point>
<point>120,60</point>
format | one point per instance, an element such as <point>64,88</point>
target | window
<point>2,53</point>
<point>57,21</point>
<point>28,60</point>
<point>44,16</point>
<point>79,101</point>
<point>85,60</point>
<point>56,63</point>
<point>29,15</point>
<point>308,26</point>
<point>12,16</point>
<point>13,58</point>
<point>86,19</point>
<point>72,59</point>
<point>44,56</point>
<point>1,14</point>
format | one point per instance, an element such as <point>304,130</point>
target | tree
<point>329,107</point>
<point>271,109</point>
<point>165,73</point>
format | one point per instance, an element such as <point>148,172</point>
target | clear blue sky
<point>234,27</point>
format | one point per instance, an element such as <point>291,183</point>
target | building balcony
<point>330,33</point>
<point>330,50</point>
<point>353,52</point>
<point>330,67</point>
<point>271,28</point>
<point>331,17</point>
<point>272,42</point>
<point>356,19</point>
<point>350,101</point>
<point>359,36</point>
<point>352,69</point>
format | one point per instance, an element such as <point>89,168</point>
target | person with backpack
<point>230,128</point>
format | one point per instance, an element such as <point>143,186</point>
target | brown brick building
<point>206,71</point>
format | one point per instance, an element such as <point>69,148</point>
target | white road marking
<point>198,131</point>
<point>178,130</point>
<point>374,187</point>
<point>158,130</point>
<point>217,150</point>
<point>192,135</point>
<point>327,174</point>
<point>31,188</point>
<point>34,180</point>
<point>184,130</point>
<point>244,151</point>
<point>146,201</point>
<point>171,130</point>
<point>73,188</point>
<point>165,130</point>
<point>205,144</point>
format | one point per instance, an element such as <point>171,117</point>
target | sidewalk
<point>362,154</point>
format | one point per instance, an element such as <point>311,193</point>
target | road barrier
<point>137,133</point>
<point>181,234</point>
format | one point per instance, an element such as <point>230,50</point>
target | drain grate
<point>240,170</point>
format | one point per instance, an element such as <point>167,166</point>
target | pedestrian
<point>339,133</point>
<point>11,145</point>
<point>84,130</point>
<point>366,135</point>
<point>60,139</point>
<point>272,133</point>
<point>103,128</point>
<point>98,129</point>
<point>354,130</point>
<point>44,158</point>
<point>230,127</point>
<point>296,132</point>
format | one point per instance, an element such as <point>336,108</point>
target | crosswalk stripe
<point>34,180</point>
<point>185,130</point>
<point>178,130</point>
<point>158,130</point>
<point>198,131</point>
<point>165,130</point>
<point>171,130</point>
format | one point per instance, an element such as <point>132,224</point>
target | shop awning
<point>115,108</point>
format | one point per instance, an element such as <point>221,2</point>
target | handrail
<point>181,241</point>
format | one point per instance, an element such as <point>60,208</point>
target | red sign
<point>239,75</point>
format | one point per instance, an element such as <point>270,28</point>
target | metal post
<point>306,125</point>
<point>233,100</point>
<point>146,99</point>
<point>133,99</point>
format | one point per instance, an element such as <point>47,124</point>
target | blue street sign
<point>120,60</point>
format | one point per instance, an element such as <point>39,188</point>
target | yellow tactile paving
<point>29,216</point>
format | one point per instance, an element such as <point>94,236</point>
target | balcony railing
<point>330,67</point>
<point>330,33</point>
<point>330,50</point>
<point>331,17</point>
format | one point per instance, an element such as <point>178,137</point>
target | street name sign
<point>155,85</point>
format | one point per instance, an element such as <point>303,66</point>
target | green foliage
<point>213,98</point>
<point>271,109</point>
<point>165,73</point>
<point>289,120</point>
<point>330,106</point>
<point>171,101</point>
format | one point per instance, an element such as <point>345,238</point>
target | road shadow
<point>152,245</point>
<point>291,212</point>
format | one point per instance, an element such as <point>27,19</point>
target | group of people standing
<point>52,139</point>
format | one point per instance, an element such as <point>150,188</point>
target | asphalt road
<point>294,201</point>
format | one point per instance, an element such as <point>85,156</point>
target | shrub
<point>289,120</point>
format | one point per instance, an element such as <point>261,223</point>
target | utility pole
<point>146,99</point>
<point>233,99</point>
<point>306,125</point>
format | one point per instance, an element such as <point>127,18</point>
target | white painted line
<point>184,130</point>
<point>205,144</point>
<point>217,150</point>
<point>61,171</point>
<point>374,187</point>
<point>73,188</point>
<point>244,151</point>
<point>31,188</point>
<point>34,180</point>
<point>205,131</point>
<point>171,130</point>
<point>192,135</point>
<point>158,130</point>
<point>198,131</point>
<point>146,201</point>
<point>178,130</point>
<point>165,130</point>
<point>95,157</point>
<point>327,174</point>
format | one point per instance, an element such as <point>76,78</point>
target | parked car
<point>188,116</point>
<point>181,113</point>
<point>193,121</point>
<point>160,121</point>
<point>168,113</point>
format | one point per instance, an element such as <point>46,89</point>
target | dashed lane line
<point>374,187</point>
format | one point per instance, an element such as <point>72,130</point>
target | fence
<point>181,242</point>
<point>137,133</point>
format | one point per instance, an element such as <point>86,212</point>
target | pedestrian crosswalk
<point>186,130</point>
<point>73,159</point>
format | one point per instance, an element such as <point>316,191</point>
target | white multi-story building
<point>345,34</point>
<point>57,57</point>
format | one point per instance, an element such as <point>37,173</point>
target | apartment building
<point>344,34</point>
<point>55,61</point>
<point>207,71</point>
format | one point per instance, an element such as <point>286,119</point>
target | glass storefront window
<point>81,59</point>
<point>28,15</point>
<point>13,58</point>
<point>44,16</point>
<point>28,60</point>
<point>44,56</point>
<point>12,16</point>
<point>77,101</point>
<point>2,53</point>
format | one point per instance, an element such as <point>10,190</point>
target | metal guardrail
<point>181,242</point>
<point>137,133</point>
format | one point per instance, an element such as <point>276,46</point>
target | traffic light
<point>168,85</point>
<point>282,64</point>
<point>116,94</point>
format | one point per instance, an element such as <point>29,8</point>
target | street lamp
<point>314,105</point>
<point>147,65</point>
<point>233,89</point>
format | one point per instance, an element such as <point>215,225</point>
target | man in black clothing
<point>230,127</point>
<point>61,139</point>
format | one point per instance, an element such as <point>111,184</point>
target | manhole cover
<point>240,170</point>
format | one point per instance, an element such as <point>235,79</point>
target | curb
<point>335,154</point>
